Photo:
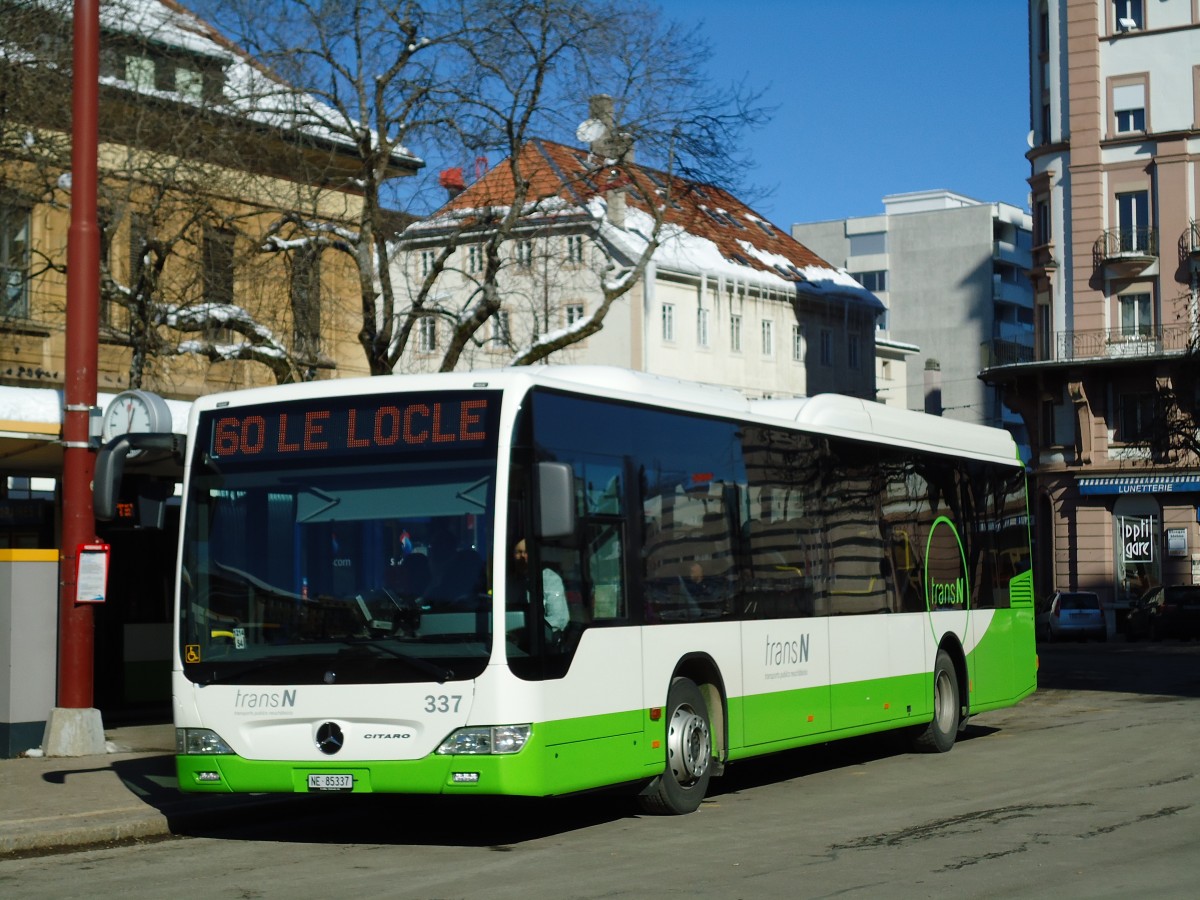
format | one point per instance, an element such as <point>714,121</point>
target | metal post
<point>75,734</point>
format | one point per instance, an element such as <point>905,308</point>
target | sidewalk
<point>49,804</point>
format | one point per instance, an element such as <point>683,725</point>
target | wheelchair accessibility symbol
<point>191,653</point>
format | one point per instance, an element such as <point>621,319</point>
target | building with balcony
<point>1115,110</point>
<point>951,272</point>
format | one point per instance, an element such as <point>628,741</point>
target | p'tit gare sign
<point>343,426</point>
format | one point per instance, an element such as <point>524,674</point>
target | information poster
<point>91,576</point>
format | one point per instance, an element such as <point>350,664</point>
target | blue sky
<point>876,97</point>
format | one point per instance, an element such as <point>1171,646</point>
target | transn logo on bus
<point>946,585</point>
<point>264,699</point>
<point>947,595</point>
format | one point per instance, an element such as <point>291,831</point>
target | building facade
<point>951,272</point>
<point>725,297</point>
<point>182,232</point>
<point>1115,114</point>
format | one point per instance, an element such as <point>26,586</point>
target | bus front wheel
<point>681,787</point>
<point>938,736</point>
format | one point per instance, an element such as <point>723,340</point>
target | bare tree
<point>479,79</point>
<point>1175,429</point>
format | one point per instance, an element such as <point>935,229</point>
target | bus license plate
<point>327,782</point>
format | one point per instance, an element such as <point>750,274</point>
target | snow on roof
<point>251,91</point>
<point>42,407</point>
<point>707,231</point>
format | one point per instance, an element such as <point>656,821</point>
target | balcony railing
<point>1077,346</point>
<point>1124,245</point>
<point>998,352</point>
<point>1118,343</point>
<point>1191,239</point>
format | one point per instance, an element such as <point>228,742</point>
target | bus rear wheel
<point>938,736</point>
<point>683,784</point>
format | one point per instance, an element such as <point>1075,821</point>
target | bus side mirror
<point>110,467</point>
<point>556,500</point>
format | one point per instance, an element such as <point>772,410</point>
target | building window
<point>1137,315</point>
<point>475,258</point>
<point>427,334</point>
<point>668,322</point>
<point>189,83</point>
<point>768,338</point>
<point>1133,220</point>
<point>524,255</point>
<point>14,261</point>
<point>306,301</point>
<point>1041,224</point>
<point>702,327</point>
<point>1127,15</point>
<point>1129,107</point>
<point>735,334</point>
<point>797,343</point>
<point>575,248</point>
<point>871,244</point>
<point>139,73</point>
<point>500,332</point>
<point>217,255</point>
<point>873,281</point>
<point>427,258</point>
<point>217,275</point>
<point>852,357</point>
<point>1135,415</point>
<point>573,312</point>
<point>826,347</point>
<point>1046,425</point>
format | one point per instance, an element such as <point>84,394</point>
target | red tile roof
<point>573,175</point>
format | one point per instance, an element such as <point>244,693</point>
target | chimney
<point>606,143</point>
<point>452,181</point>
<point>933,387</point>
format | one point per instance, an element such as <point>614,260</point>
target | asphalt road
<point>1088,789</point>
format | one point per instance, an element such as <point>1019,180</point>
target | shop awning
<point>1182,482</point>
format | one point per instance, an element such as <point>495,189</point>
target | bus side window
<point>605,564</point>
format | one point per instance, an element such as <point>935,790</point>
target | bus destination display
<point>361,425</point>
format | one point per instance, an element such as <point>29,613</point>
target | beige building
<point>1115,142</point>
<point>186,231</point>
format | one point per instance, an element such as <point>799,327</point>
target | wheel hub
<point>689,750</point>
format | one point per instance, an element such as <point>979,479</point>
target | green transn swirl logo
<point>946,584</point>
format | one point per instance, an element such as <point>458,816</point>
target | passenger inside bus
<point>554,594</point>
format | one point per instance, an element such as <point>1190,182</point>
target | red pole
<point>76,629</point>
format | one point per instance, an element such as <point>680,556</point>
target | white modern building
<point>950,271</point>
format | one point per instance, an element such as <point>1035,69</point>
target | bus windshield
<point>327,567</point>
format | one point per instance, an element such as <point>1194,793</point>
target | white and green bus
<point>705,579</point>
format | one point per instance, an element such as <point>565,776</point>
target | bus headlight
<point>199,742</point>
<point>492,739</point>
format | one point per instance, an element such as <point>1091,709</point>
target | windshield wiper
<point>440,673</point>
<point>248,669</point>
